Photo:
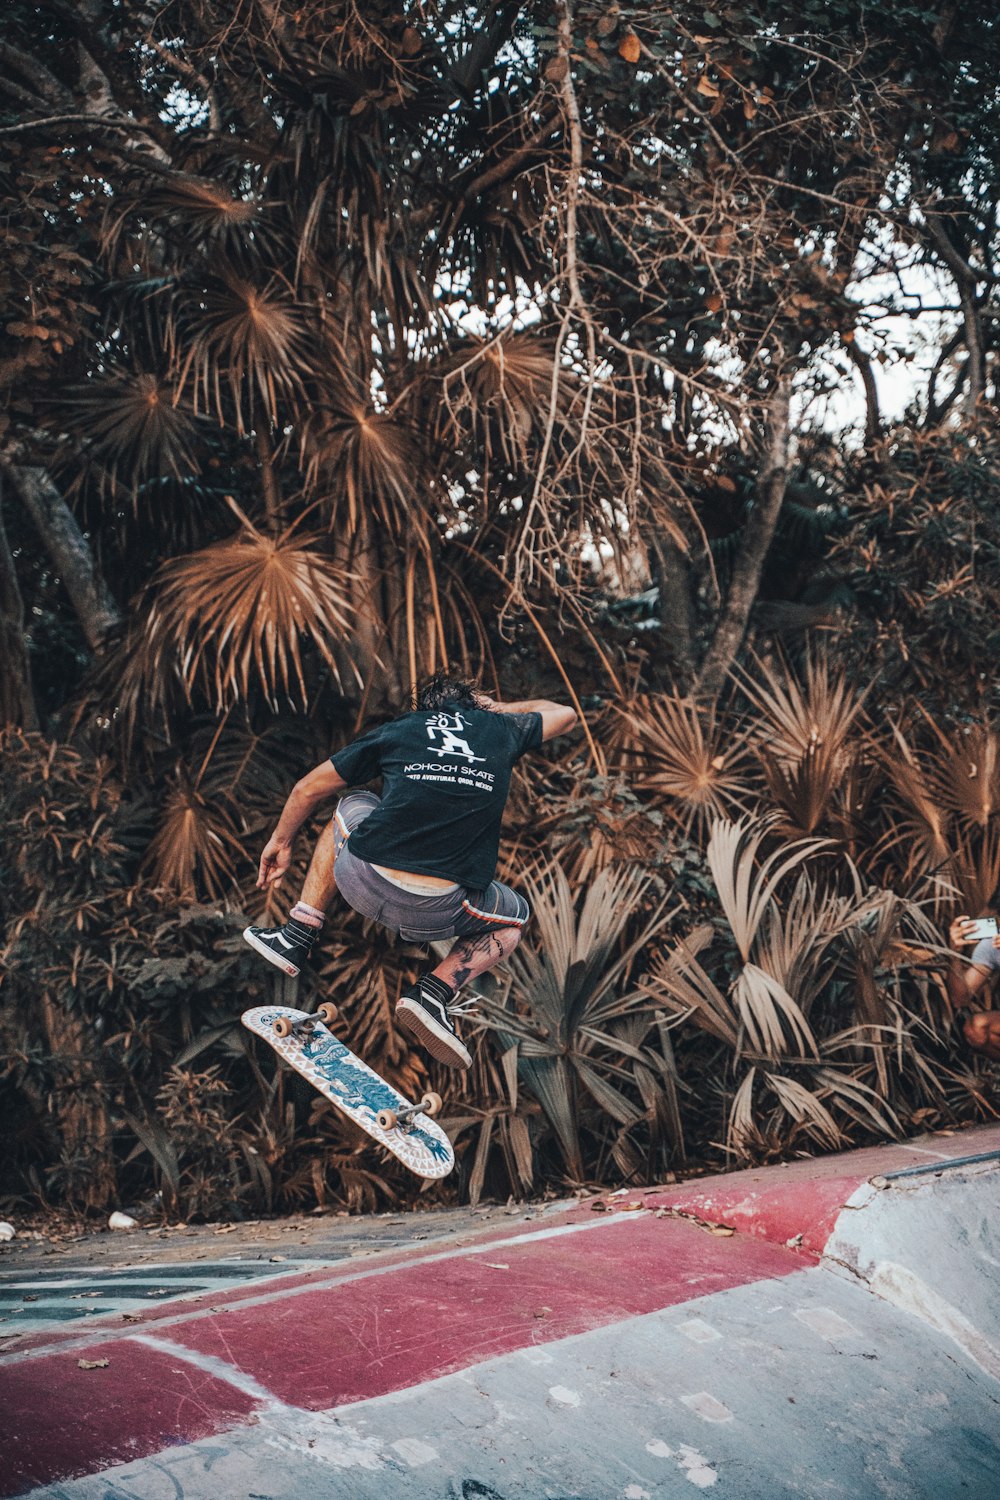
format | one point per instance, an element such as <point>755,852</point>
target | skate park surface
<point>824,1328</point>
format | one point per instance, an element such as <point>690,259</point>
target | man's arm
<point>557,718</point>
<point>303,799</point>
<point>964,982</point>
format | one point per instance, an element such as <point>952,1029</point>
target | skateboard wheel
<point>327,1013</point>
<point>386,1119</point>
<point>431,1104</point>
<point>282,1026</point>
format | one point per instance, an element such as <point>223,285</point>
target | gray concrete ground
<point>802,1387</point>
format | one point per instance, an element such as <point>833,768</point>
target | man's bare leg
<point>320,883</point>
<point>471,957</point>
<point>424,1007</point>
<point>982,1032</point>
<point>288,947</point>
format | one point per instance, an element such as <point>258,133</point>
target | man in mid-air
<point>421,858</point>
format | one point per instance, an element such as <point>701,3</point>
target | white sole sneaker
<point>284,964</point>
<point>441,1043</point>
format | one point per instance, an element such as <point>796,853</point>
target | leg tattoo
<point>471,957</point>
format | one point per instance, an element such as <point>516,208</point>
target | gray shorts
<point>422,919</point>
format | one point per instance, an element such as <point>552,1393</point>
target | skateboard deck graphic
<point>356,1089</point>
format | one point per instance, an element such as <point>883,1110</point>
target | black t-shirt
<point>445,778</point>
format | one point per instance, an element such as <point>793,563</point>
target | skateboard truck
<point>430,1104</point>
<point>285,1026</point>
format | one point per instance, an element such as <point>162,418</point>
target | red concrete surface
<point>61,1422</point>
<point>385,1333</point>
<point>779,1203</point>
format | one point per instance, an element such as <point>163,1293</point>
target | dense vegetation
<point>556,342</point>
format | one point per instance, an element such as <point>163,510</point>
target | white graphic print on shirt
<point>449,726</point>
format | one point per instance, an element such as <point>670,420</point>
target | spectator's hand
<point>958,933</point>
<point>274,861</point>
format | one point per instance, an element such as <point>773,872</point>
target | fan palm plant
<point>571,989</point>
<point>233,617</point>
<point>681,754</point>
<point>803,735</point>
<point>766,1014</point>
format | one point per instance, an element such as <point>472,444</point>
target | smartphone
<point>982,927</point>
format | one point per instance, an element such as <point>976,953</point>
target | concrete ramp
<point>824,1329</point>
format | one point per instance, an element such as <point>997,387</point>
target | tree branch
<point>17,700</point>
<point>67,547</point>
<point>873,415</point>
<point>771,485</point>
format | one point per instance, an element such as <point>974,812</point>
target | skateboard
<point>306,1044</point>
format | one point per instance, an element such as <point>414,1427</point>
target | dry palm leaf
<point>683,757</point>
<point>200,206</point>
<point>235,614</point>
<point>569,985</point>
<point>921,820</point>
<point>744,889</point>
<point>765,1008</point>
<point>678,982</point>
<point>246,341</point>
<point>374,464</point>
<point>502,389</point>
<point>965,772</point>
<point>806,1109</point>
<point>743,1137</point>
<point>803,789</point>
<point>858,1101</point>
<point>802,717</point>
<point>134,426</point>
<point>196,848</point>
<point>975,867</point>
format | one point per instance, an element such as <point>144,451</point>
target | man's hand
<point>959,935</point>
<point>274,862</point>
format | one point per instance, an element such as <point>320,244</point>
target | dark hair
<point>443,691</point>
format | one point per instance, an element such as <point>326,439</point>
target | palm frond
<point>195,850</point>
<point>744,888</point>
<point>244,340</point>
<point>132,423</point>
<point>370,463</point>
<point>764,1005</point>
<point>234,616</point>
<point>500,390</point>
<point>682,756</point>
<point>803,715</point>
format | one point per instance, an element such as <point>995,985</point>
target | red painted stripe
<point>61,1422</point>
<point>323,1349</point>
<point>779,1212</point>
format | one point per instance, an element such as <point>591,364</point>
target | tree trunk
<point>673,574</point>
<point>873,415</point>
<point>67,547</point>
<point>771,484</point>
<point>974,343</point>
<point>17,701</point>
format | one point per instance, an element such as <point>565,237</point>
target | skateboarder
<point>421,858</point>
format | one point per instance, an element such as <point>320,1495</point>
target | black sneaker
<point>286,947</point>
<point>425,1014</point>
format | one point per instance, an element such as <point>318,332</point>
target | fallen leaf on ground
<point>92,1364</point>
